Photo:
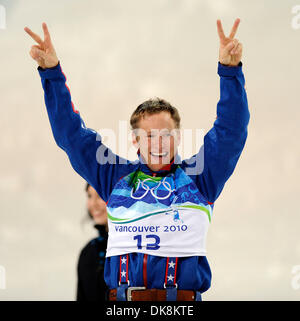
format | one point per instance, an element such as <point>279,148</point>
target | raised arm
<point>88,156</point>
<point>224,143</point>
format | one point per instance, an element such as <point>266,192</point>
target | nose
<point>158,143</point>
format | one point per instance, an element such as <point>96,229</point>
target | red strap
<point>171,271</point>
<point>166,273</point>
<point>123,268</point>
<point>145,270</point>
<point>175,270</point>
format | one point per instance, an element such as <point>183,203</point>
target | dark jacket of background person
<point>90,270</point>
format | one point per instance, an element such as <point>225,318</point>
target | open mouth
<point>159,154</point>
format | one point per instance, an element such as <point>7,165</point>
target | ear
<point>135,139</point>
<point>177,136</point>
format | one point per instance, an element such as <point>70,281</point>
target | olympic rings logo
<point>152,190</point>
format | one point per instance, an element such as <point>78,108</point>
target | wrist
<point>229,65</point>
<point>54,65</point>
<point>42,69</point>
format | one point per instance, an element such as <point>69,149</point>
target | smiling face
<point>157,138</point>
<point>96,206</point>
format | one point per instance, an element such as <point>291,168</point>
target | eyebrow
<point>159,130</point>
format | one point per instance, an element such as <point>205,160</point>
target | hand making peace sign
<point>44,52</point>
<point>230,52</point>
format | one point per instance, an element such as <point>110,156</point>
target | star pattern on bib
<point>171,264</point>
<point>170,277</point>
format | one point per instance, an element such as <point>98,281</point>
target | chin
<point>157,167</point>
<point>160,164</point>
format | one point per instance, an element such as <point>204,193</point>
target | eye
<point>166,135</point>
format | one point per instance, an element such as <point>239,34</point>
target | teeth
<point>159,154</point>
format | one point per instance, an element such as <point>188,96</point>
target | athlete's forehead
<point>156,122</point>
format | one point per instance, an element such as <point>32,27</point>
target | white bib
<point>157,217</point>
<point>161,234</point>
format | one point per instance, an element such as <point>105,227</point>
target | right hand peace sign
<point>44,52</point>
<point>230,52</point>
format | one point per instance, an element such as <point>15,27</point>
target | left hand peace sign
<point>230,52</point>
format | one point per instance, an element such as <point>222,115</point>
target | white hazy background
<point>116,54</point>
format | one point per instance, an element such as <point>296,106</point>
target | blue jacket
<point>223,145</point>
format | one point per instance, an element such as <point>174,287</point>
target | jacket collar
<point>163,171</point>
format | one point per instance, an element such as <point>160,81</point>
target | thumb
<point>37,53</point>
<point>229,47</point>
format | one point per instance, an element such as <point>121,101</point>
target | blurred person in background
<point>91,285</point>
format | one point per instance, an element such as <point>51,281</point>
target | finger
<point>234,28</point>
<point>34,36</point>
<point>37,53</point>
<point>220,30</point>
<point>47,37</point>
<point>35,57</point>
<point>37,46</point>
<point>38,60</point>
<point>236,43</point>
<point>32,55</point>
<point>229,47</point>
<point>239,48</point>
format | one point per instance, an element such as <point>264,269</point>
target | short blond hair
<point>154,106</point>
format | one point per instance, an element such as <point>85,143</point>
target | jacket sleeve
<point>88,156</point>
<point>225,141</point>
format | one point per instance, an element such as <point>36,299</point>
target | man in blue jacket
<point>159,207</point>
